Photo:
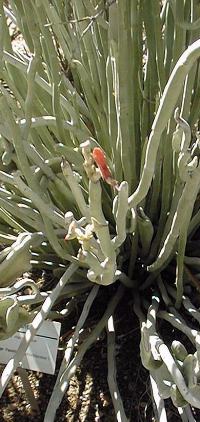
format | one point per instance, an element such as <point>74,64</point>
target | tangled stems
<point>82,124</point>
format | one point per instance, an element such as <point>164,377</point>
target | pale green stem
<point>28,390</point>
<point>160,415</point>
<point>177,376</point>
<point>183,214</point>
<point>75,362</point>
<point>121,215</point>
<point>100,223</point>
<point>44,84</point>
<point>167,104</point>
<point>43,207</point>
<point>28,216</point>
<point>54,242</point>
<point>178,323</point>
<point>180,264</point>
<point>188,305</point>
<point>72,181</point>
<point>155,6</point>
<point>168,39</point>
<point>112,376</point>
<point>17,142</point>
<point>191,26</point>
<point>7,218</point>
<point>179,34</point>
<point>146,231</point>
<point>54,70</point>
<point>126,129</point>
<point>70,348</point>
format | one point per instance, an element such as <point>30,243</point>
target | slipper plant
<point>100,177</point>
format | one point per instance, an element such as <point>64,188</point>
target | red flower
<point>100,159</point>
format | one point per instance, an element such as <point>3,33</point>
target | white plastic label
<point>42,351</point>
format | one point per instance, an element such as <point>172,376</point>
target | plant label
<point>42,351</point>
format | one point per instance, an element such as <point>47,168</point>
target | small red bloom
<point>100,159</point>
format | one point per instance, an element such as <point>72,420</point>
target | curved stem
<point>168,101</point>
